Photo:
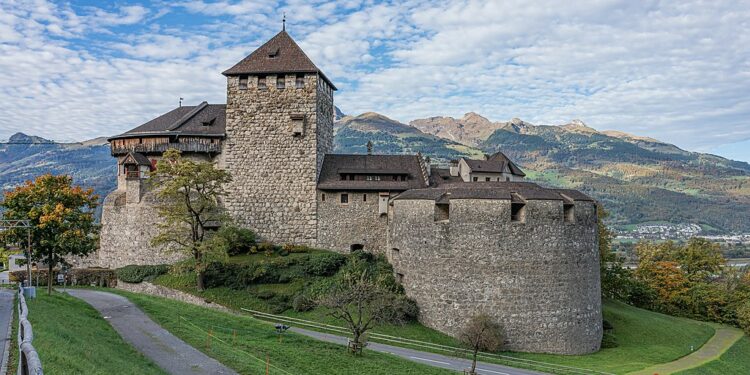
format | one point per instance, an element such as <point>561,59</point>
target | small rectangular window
<point>486,179</point>
<point>243,82</point>
<point>442,211</point>
<point>298,125</point>
<point>569,213</point>
<point>344,198</point>
<point>323,197</point>
<point>475,179</point>
<point>280,82</point>
<point>518,212</point>
<point>262,83</point>
<point>299,81</point>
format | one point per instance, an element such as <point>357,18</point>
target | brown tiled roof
<point>137,157</point>
<point>490,190</point>
<point>280,54</point>
<point>336,164</point>
<point>495,163</point>
<point>202,120</point>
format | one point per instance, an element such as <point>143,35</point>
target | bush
<point>266,248</point>
<point>607,326</point>
<point>609,341</point>
<point>302,303</point>
<point>78,276</point>
<point>295,248</point>
<point>240,240</point>
<point>279,303</point>
<point>743,317</point>
<point>265,294</point>
<point>139,273</point>
<point>325,264</point>
<point>406,309</point>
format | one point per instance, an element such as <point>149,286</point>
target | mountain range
<point>638,179</point>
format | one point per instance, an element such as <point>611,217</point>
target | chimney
<point>454,168</point>
<point>369,147</point>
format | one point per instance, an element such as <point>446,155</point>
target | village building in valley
<point>468,239</point>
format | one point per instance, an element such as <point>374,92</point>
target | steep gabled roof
<point>202,120</point>
<point>334,165</point>
<point>280,54</point>
<point>136,158</point>
<point>495,163</point>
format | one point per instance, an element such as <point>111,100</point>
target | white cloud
<point>677,71</point>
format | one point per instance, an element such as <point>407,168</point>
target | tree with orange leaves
<point>62,219</point>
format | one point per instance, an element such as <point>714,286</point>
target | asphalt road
<point>6,316</point>
<point>431,359</point>
<point>166,350</point>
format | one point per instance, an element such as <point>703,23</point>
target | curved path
<point>722,340</point>
<point>166,350</point>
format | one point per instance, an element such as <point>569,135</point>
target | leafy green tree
<point>62,219</point>
<point>616,280</point>
<point>189,193</point>
<point>700,258</point>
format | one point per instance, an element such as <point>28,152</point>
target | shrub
<point>296,248</point>
<point>406,309</point>
<point>265,294</point>
<point>266,248</point>
<point>139,273</point>
<point>607,326</point>
<point>302,303</point>
<point>279,303</point>
<point>609,341</point>
<point>743,317</point>
<point>240,240</point>
<point>78,276</point>
<point>325,264</point>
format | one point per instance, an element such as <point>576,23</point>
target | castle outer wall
<point>539,279</point>
<point>358,222</point>
<point>275,172</point>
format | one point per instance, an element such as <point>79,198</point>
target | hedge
<point>78,276</point>
<point>139,273</point>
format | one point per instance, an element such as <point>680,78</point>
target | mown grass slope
<point>73,338</point>
<point>244,343</point>
<point>736,360</point>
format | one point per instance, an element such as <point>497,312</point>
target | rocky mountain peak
<point>23,138</point>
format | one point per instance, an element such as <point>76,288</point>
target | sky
<point>677,71</point>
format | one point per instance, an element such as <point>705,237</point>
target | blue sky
<point>678,71</point>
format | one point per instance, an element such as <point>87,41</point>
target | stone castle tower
<point>279,126</point>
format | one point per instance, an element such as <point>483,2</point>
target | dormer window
<point>299,81</point>
<point>280,83</point>
<point>262,83</point>
<point>273,53</point>
<point>243,82</point>
<point>298,125</point>
<point>209,122</point>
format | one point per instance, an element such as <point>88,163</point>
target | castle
<point>462,240</point>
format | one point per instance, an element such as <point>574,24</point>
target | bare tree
<point>481,333</point>
<point>361,303</point>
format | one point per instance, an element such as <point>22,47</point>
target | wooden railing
<point>161,147</point>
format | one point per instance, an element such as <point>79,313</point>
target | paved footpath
<point>6,317</point>
<point>431,359</point>
<point>166,350</point>
<point>722,340</point>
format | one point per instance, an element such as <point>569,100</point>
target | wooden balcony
<point>158,148</point>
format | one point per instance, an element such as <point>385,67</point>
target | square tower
<point>279,126</point>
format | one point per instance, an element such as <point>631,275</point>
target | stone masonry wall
<point>162,291</point>
<point>275,173</point>
<point>539,279</point>
<point>127,230</point>
<point>358,222</point>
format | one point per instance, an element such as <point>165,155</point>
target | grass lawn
<point>645,338</point>
<point>736,360</point>
<point>243,343</point>
<point>72,338</point>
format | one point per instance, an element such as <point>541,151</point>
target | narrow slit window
<point>518,212</point>
<point>569,213</point>
<point>364,197</point>
<point>323,197</point>
<point>243,82</point>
